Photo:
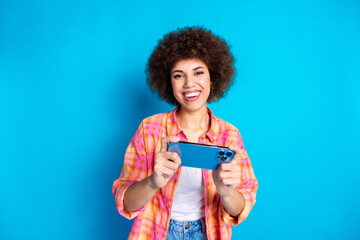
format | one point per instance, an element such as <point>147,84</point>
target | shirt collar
<point>214,128</point>
<point>173,127</point>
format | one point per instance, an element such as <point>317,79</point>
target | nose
<point>189,81</point>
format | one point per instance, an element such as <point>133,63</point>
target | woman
<point>189,68</point>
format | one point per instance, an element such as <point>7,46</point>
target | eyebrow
<point>181,71</point>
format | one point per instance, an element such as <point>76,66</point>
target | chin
<point>193,107</point>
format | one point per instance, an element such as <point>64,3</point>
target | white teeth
<point>193,94</point>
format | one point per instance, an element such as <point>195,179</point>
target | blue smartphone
<point>201,155</point>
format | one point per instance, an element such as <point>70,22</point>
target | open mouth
<point>191,96</point>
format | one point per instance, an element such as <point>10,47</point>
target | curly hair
<point>186,43</point>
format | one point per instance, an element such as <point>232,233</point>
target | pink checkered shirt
<point>152,220</point>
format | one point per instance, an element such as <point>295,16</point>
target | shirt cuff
<point>249,203</point>
<point>119,201</point>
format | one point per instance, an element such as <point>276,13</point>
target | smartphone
<point>201,155</point>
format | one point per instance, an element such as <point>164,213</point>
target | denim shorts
<point>194,230</point>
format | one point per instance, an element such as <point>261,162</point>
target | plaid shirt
<point>152,220</point>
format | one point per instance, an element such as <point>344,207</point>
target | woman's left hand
<point>227,176</point>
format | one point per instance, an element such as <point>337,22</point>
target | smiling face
<point>190,80</point>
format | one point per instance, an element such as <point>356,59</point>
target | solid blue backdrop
<point>73,92</point>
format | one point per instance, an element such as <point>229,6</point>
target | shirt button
<point>187,226</point>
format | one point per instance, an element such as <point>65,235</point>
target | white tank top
<point>188,204</point>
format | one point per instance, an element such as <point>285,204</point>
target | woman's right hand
<point>165,163</point>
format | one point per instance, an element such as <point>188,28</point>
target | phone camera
<point>228,154</point>
<point>221,152</point>
<point>223,158</point>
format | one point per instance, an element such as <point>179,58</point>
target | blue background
<point>73,92</point>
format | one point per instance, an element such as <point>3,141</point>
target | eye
<point>198,73</point>
<point>177,76</point>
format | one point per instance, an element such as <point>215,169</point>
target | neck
<point>193,120</point>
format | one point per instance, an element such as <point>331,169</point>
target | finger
<point>231,182</point>
<point>172,156</point>
<point>229,174</point>
<point>170,165</point>
<point>168,173</point>
<point>168,159</point>
<point>165,142</point>
<point>229,167</point>
<point>163,170</point>
<point>237,151</point>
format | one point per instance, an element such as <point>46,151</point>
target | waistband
<point>181,226</point>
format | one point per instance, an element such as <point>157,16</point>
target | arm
<point>236,184</point>
<point>226,179</point>
<point>234,203</point>
<point>133,171</point>
<point>139,194</point>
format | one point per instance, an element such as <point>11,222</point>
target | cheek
<point>174,87</point>
<point>202,82</point>
<point>175,90</point>
<point>205,84</point>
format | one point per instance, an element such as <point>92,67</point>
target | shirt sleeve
<point>247,188</point>
<point>133,171</point>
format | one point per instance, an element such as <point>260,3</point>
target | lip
<point>191,99</point>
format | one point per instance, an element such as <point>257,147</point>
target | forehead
<point>188,64</point>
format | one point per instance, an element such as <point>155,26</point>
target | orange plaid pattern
<point>152,220</point>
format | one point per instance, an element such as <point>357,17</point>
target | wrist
<point>151,183</point>
<point>228,194</point>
